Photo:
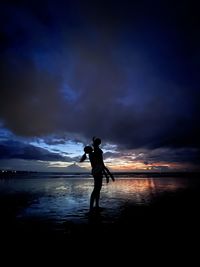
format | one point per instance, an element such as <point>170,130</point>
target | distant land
<point>72,170</point>
<point>75,168</point>
<point>78,170</point>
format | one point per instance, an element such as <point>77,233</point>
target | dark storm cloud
<point>20,150</point>
<point>179,155</point>
<point>126,72</point>
<point>151,156</point>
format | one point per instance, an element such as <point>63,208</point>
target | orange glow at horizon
<point>127,165</point>
<point>148,186</point>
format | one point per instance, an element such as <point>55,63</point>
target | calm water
<point>67,199</point>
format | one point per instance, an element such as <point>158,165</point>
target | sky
<point>124,71</point>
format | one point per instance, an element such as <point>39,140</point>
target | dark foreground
<point>166,228</point>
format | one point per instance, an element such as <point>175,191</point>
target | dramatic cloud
<point>178,158</point>
<point>19,150</point>
<point>127,72</point>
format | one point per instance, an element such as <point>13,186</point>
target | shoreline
<point>170,222</point>
<point>180,206</point>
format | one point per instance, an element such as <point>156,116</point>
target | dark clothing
<point>98,170</point>
<point>96,159</point>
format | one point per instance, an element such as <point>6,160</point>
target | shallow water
<point>67,199</point>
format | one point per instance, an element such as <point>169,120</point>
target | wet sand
<point>172,221</point>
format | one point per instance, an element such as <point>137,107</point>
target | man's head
<point>96,141</point>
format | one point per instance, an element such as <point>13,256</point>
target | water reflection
<point>140,190</point>
<point>68,199</point>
